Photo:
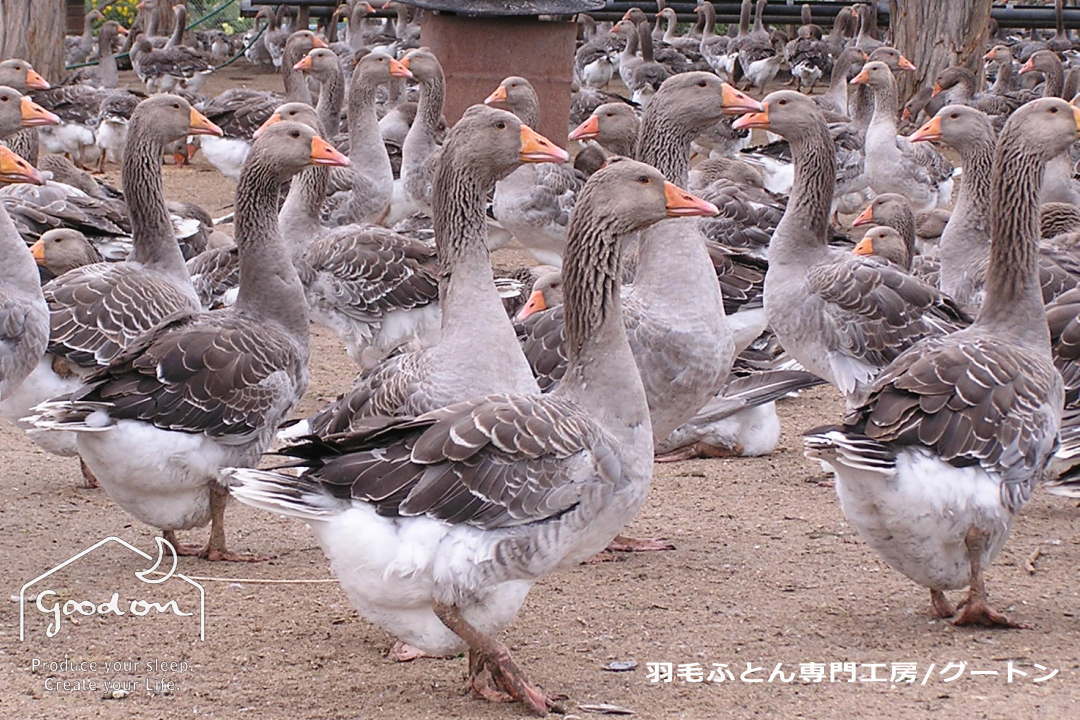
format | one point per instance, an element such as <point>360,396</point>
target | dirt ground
<point>766,571</point>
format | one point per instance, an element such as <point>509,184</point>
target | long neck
<point>1006,75</point>
<point>838,83</point>
<point>298,218</point>
<point>965,240</point>
<point>709,28</point>
<point>270,288</point>
<point>599,356</point>
<point>645,40</point>
<point>758,26</point>
<point>466,283</point>
<point>805,224</point>
<point>631,44</point>
<point>420,139</point>
<point>669,32</point>
<point>330,100</point>
<point>665,144</point>
<point>1055,79</point>
<point>151,229</point>
<point>366,149</point>
<point>744,18</point>
<point>296,87</point>
<point>108,72</point>
<point>18,271</point>
<point>885,104</point>
<point>1013,304</point>
<point>178,31</point>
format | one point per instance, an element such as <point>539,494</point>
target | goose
<point>58,251</point>
<point>105,74</point>
<point>961,81</point>
<point>670,35</point>
<point>886,243</point>
<point>842,30</point>
<point>628,57</point>
<point>835,98</point>
<point>841,317</point>
<point>279,28</point>
<point>24,317</point>
<point>20,76</point>
<point>546,292</point>
<point>369,198</point>
<point>614,126</point>
<point>965,247</point>
<point>420,148</point>
<point>713,47</point>
<point>893,164</point>
<point>894,211</point>
<point>650,72</point>
<point>239,112</point>
<point>478,151</point>
<point>112,119</point>
<point>323,65</point>
<point>476,535</point>
<point>157,423</point>
<point>97,311</point>
<point>808,55</point>
<point>867,40</point>
<point>533,202</point>
<point>730,67</point>
<point>955,433</point>
<point>77,47</point>
<point>174,66</point>
<point>594,65</point>
<point>757,49</point>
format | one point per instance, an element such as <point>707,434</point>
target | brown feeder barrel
<point>478,52</point>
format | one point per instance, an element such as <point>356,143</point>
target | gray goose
<point>533,202</point>
<point>893,164</point>
<point>205,390</point>
<point>894,211</point>
<point>97,311</point>
<point>24,317</point>
<point>19,75</point>
<point>964,249</point>
<point>484,146</point>
<point>58,251</point>
<point>956,432</point>
<point>534,483</point>
<point>325,67</point>
<point>173,67</point>
<point>420,149</point>
<point>886,243</point>
<point>842,317</point>
<point>614,126</point>
<point>106,74</point>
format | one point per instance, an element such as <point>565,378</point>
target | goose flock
<point>719,242</point>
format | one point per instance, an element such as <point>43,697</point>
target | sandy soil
<point>766,571</point>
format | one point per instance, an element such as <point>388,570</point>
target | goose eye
<point>4,98</point>
<point>500,125</point>
<point>701,83</point>
<point>1053,109</point>
<point>294,134</point>
<point>643,180</point>
<point>954,116</point>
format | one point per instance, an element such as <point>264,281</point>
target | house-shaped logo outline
<point>161,543</point>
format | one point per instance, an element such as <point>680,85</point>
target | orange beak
<point>399,69</point>
<point>1029,66</point>
<point>1076,116</point>
<point>737,103</point>
<point>121,29</point>
<point>753,120</point>
<point>497,96</point>
<point>866,217</point>
<point>198,124</point>
<point>303,63</point>
<point>535,148</point>
<point>38,251</point>
<point>35,81</point>
<point>862,78</point>
<point>990,54</point>
<point>13,169</point>
<point>33,115</point>
<point>865,247</point>
<point>275,118</point>
<point>936,90</point>
<point>587,130</point>
<point>323,153</point>
<point>905,64</point>
<point>682,204</point>
<point>318,42</point>
<point>928,132</point>
<point>535,304</point>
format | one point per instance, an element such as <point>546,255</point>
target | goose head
<point>172,118</point>
<point>635,195</point>
<point>319,63</point>
<point>303,41</point>
<point>1044,61</point>
<point>547,292</point>
<point>496,142</point>
<point>1046,127</point>
<point>379,68</point>
<point>291,146</point>
<point>884,242</point>
<point>13,169</point>
<point>892,58</point>
<point>950,77</point>
<point>609,121</point>
<point>957,126</point>
<point>513,92</point>
<point>886,209</point>
<point>784,112</point>
<point>700,99</point>
<point>291,112</point>
<point>18,110</point>
<point>19,74</point>
<point>875,73</point>
<point>63,249</point>
<point>422,64</point>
